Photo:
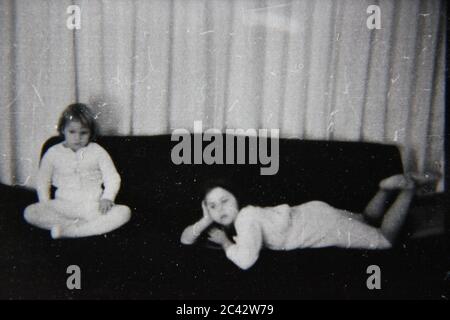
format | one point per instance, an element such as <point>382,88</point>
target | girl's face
<point>76,135</point>
<point>222,206</point>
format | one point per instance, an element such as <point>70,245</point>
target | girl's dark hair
<point>219,183</point>
<point>81,113</point>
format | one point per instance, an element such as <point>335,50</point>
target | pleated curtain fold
<point>312,69</point>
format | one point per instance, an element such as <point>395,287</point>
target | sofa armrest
<point>14,199</point>
<point>427,216</point>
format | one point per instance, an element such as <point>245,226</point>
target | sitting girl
<point>77,167</point>
<point>313,224</point>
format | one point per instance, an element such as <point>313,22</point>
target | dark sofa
<point>145,260</point>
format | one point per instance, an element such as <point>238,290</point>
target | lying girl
<point>77,167</point>
<point>313,224</point>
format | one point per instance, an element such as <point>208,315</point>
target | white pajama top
<point>78,173</point>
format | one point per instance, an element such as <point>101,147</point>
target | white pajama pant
<point>77,204</point>
<point>72,207</point>
<point>316,224</point>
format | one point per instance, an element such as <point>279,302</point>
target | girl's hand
<point>206,216</point>
<point>105,205</point>
<point>191,233</point>
<point>218,236</point>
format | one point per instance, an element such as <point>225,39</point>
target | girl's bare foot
<point>56,232</point>
<point>421,179</point>
<point>397,182</point>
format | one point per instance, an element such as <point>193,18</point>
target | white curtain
<point>313,69</point>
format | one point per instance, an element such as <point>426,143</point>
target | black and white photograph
<point>224,150</point>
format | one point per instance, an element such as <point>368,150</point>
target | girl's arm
<point>192,232</point>
<point>44,178</point>
<point>245,252</point>
<point>111,178</point>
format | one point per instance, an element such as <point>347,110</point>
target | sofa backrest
<point>344,174</point>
